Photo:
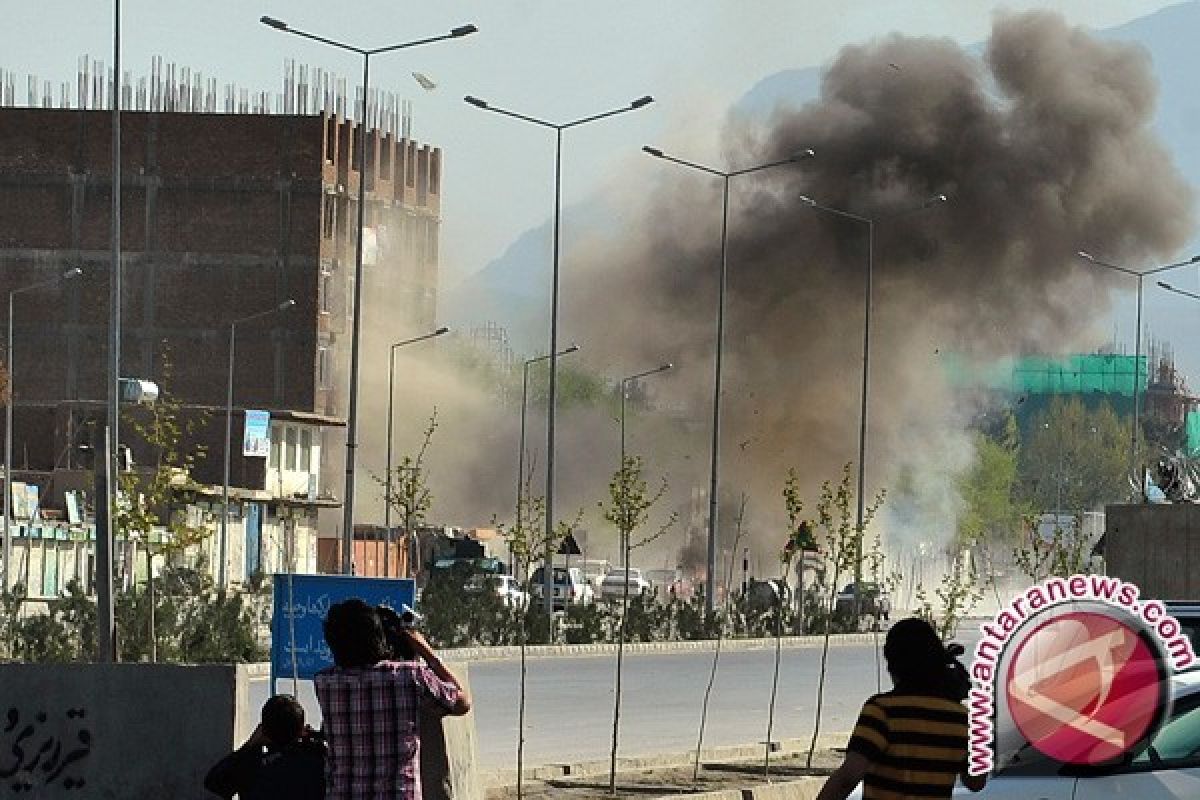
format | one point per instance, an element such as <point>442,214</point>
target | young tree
<point>712,675</point>
<point>836,520</point>
<point>628,508</point>
<point>799,539</point>
<point>409,494</point>
<point>149,511</point>
<point>526,540</point>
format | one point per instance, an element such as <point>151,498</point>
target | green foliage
<point>574,387</point>
<point>1066,552</point>
<point>958,594</point>
<point>1074,458</point>
<point>195,624</point>
<point>410,497</point>
<point>991,512</point>
<point>149,496</point>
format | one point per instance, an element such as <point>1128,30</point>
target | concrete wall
<point>449,752</point>
<point>128,731</point>
<point>1156,547</point>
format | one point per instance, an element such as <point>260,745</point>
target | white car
<point>1168,766</point>
<point>506,586</point>
<point>613,586</point>
<point>569,587</point>
<point>1165,768</point>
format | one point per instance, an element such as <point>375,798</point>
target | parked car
<point>1187,614</point>
<point>874,601</point>
<point>613,586</point>
<point>506,586</point>
<point>569,587</point>
<point>1166,766</point>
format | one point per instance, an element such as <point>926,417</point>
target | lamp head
<point>74,272</point>
<point>271,22</point>
<point>654,151</point>
<point>464,30</point>
<point>666,367</point>
<point>1085,256</point>
<point>808,201</point>
<point>940,198</point>
<point>642,101</point>
<point>441,330</point>
<point>1166,286</point>
<point>803,154</point>
<point>572,349</point>
<point>1194,259</point>
<point>475,101</point>
<point>285,305</point>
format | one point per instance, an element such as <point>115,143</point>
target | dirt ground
<point>674,780</point>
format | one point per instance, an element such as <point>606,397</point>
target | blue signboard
<point>256,434</point>
<point>301,602</point>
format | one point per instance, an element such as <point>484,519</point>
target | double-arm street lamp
<point>8,417</point>
<point>558,128</point>
<point>1177,290</point>
<point>222,570</point>
<point>626,524</point>
<point>1137,346</point>
<point>387,476</point>
<point>870,223</point>
<point>352,413</point>
<point>714,453</point>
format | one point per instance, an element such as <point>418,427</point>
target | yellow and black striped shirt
<point>917,745</point>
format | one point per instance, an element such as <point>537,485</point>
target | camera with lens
<point>396,624</point>
<point>957,679</point>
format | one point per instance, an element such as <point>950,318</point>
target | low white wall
<point>128,731</point>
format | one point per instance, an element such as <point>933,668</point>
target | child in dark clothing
<point>282,759</point>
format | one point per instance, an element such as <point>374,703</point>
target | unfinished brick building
<point>223,216</point>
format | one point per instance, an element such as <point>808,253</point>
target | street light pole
<point>6,583</point>
<point>558,128</point>
<point>1137,348</point>
<point>222,568</point>
<point>625,553</point>
<point>356,335</point>
<point>715,447</point>
<point>106,469</point>
<point>868,293</point>
<point>387,476</point>
<point>521,448</point>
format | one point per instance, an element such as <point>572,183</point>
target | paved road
<point>569,714</point>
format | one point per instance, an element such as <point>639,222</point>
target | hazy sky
<point>555,59</point>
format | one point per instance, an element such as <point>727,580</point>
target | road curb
<point>636,648</point>
<point>494,779</point>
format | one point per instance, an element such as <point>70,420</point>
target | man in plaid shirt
<point>370,706</point>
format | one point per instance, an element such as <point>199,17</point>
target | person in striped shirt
<point>910,742</point>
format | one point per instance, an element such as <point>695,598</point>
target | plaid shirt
<point>371,725</point>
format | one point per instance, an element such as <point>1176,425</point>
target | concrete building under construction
<point>223,215</point>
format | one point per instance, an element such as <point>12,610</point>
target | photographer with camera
<point>282,760</point>
<point>384,673</point>
<point>911,741</point>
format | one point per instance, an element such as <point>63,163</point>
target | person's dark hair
<point>282,719</point>
<point>917,659</point>
<point>354,634</point>
<point>399,645</point>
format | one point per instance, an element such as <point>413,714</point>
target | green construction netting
<point>1109,374</point>
<point>1193,433</point>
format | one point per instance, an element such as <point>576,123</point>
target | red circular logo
<point>1084,688</point>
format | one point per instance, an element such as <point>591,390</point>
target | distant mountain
<point>513,289</point>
